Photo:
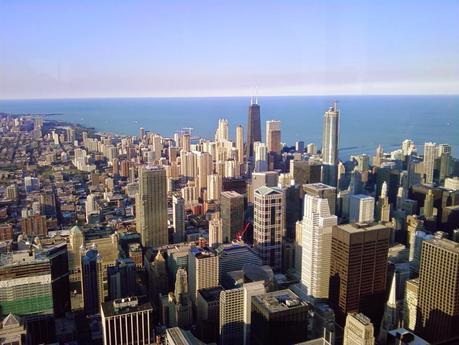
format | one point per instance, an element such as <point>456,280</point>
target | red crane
<point>241,232</point>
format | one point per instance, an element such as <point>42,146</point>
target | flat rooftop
<point>211,294</point>
<point>279,301</point>
<point>446,244</point>
<point>361,227</point>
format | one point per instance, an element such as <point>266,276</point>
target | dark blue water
<point>366,121</point>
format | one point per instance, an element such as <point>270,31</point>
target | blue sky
<point>57,49</point>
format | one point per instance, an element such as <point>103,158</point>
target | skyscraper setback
<point>330,146</point>
<point>253,128</point>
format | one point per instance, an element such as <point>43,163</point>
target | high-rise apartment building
<point>316,246</point>
<point>269,224</point>
<point>359,330</point>
<point>330,146</point>
<point>438,296</point>
<point>232,214</point>
<point>253,128</point>
<point>214,186</point>
<point>430,154</point>
<point>358,270</point>
<point>260,156</point>
<point>151,207</point>
<point>240,144</point>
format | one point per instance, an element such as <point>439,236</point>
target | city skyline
<point>152,49</point>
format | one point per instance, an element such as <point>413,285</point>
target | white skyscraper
<point>214,186</point>
<point>261,156</point>
<point>90,205</point>
<point>330,146</point>
<point>316,246</point>
<point>222,131</point>
<point>430,153</point>
<point>361,208</point>
<point>240,144</point>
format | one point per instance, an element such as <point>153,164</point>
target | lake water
<point>366,121</point>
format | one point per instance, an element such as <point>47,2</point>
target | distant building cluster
<point>148,239</point>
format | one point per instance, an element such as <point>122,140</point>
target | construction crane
<point>241,232</point>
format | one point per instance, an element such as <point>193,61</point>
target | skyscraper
<point>438,296</point>
<point>359,330</point>
<point>232,214</point>
<point>330,146</point>
<point>240,144</point>
<point>92,281</point>
<point>178,218</point>
<point>430,153</point>
<point>358,270</point>
<point>203,270</point>
<point>361,208</point>
<point>323,191</point>
<point>268,226</point>
<point>121,279</point>
<point>151,207</point>
<point>260,156</point>
<point>253,128</point>
<point>273,136</point>
<point>232,316</point>
<point>316,246</point>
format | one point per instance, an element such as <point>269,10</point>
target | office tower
<point>121,279</point>
<point>438,297</point>
<point>293,209</point>
<point>273,136</point>
<point>430,153</point>
<point>232,316</point>
<point>215,232</point>
<point>278,317</point>
<point>178,336</point>
<point>232,214</point>
<point>214,186</point>
<point>233,257</point>
<point>205,168</point>
<point>362,162</point>
<point>178,218</point>
<point>383,206</point>
<point>188,164</point>
<point>253,128</point>
<point>305,172</point>
<point>12,331</point>
<point>361,208</point>
<point>240,143</point>
<point>260,156</point>
<point>92,281</point>
<point>299,146</point>
<point>316,246</point>
<point>330,146</point>
<point>358,270</point>
<point>90,206</point>
<point>127,321</point>
<point>268,228</point>
<point>203,270</point>
<point>151,207</point>
<point>323,191</point>
<point>25,284</point>
<point>359,330</point>
<point>411,303</point>
<point>312,149</point>
<point>31,184</point>
<point>141,133</point>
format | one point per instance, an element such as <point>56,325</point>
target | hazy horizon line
<point>232,96</point>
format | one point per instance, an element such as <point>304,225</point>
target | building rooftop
<point>211,294</point>
<point>278,301</point>
<point>179,336</point>
<point>125,306</point>
<point>231,194</point>
<point>263,190</point>
<point>319,186</point>
<point>446,244</point>
<point>363,319</point>
<point>361,227</point>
